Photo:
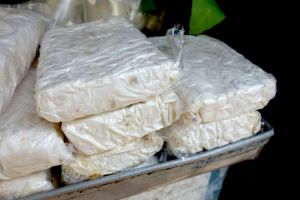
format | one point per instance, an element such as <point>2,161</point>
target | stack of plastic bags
<point>29,145</point>
<point>116,96</point>
<point>221,91</point>
<point>107,84</point>
<point>20,33</point>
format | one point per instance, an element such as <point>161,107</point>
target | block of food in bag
<point>28,143</point>
<point>20,34</point>
<point>103,132</point>
<point>90,167</point>
<point>217,82</point>
<point>99,66</point>
<point>26,185</point>
<point>188,135</point>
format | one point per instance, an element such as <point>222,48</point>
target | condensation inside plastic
<point>188,136</point>
<point>103,132</point>
<point>26,185</point>
<point>89,167</point>
<point>96,67</point>
<point>217,82</point>
<point>28,143</point>
<point>20,33</point>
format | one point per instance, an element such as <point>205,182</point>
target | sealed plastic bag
<point>188,135</point>
<point>217,82</point>
<point>20,33</point>
<point>102,132</point>
<point>90,167</point>
<point>28,143</point>
<point>96,67</point>
<point>26,185</point>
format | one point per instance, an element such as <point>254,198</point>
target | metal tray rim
<point>149,169</point>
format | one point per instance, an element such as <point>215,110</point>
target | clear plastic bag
<point>97,67</point>
<point>20,34</point>
<point>28,143</point>
<point>58,13</point>
<point>217,82</point>
<point>103,132</point>
<point>89,167</point>
<point>26,185</point>
<point>188,135</point>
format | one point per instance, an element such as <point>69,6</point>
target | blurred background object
<point>62,12</point>
<point>97,9</point>
<point>153,17</point>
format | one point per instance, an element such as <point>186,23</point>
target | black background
<point>263,31</point>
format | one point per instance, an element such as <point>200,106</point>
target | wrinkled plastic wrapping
<point>58,12</point>
<point>217,82</point>
<point>20,33</point>
<point>28,143</point>
<point>90,167</point>
<point>194,188</point>
<point>96,67</point>
<point>26,185</point>
<point>99,133</point>
<point>188,135</point>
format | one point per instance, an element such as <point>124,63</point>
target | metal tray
<point>131,182</point>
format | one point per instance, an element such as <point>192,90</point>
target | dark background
<point>264,31</point>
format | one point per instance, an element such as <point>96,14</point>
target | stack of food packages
<point>29,145</point>
<point>104,97</point>
<point>221,92</point>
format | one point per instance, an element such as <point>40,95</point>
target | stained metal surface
<point>128,183</point>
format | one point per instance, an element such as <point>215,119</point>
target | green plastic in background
<point>205,14</point>
<point>148,6</point>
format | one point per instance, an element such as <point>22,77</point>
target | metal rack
<point>127,183</point>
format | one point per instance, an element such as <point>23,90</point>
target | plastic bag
<point>217,82</point>
<point>188,135</point>
<point>96,67</point>
<point>28,143</point>
<point>90,167</point>
<point>20,33</point>
<point>99,133</point>
<point>26,185</point>
<point>59,13</point>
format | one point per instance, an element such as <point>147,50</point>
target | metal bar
<point>128,183</point>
